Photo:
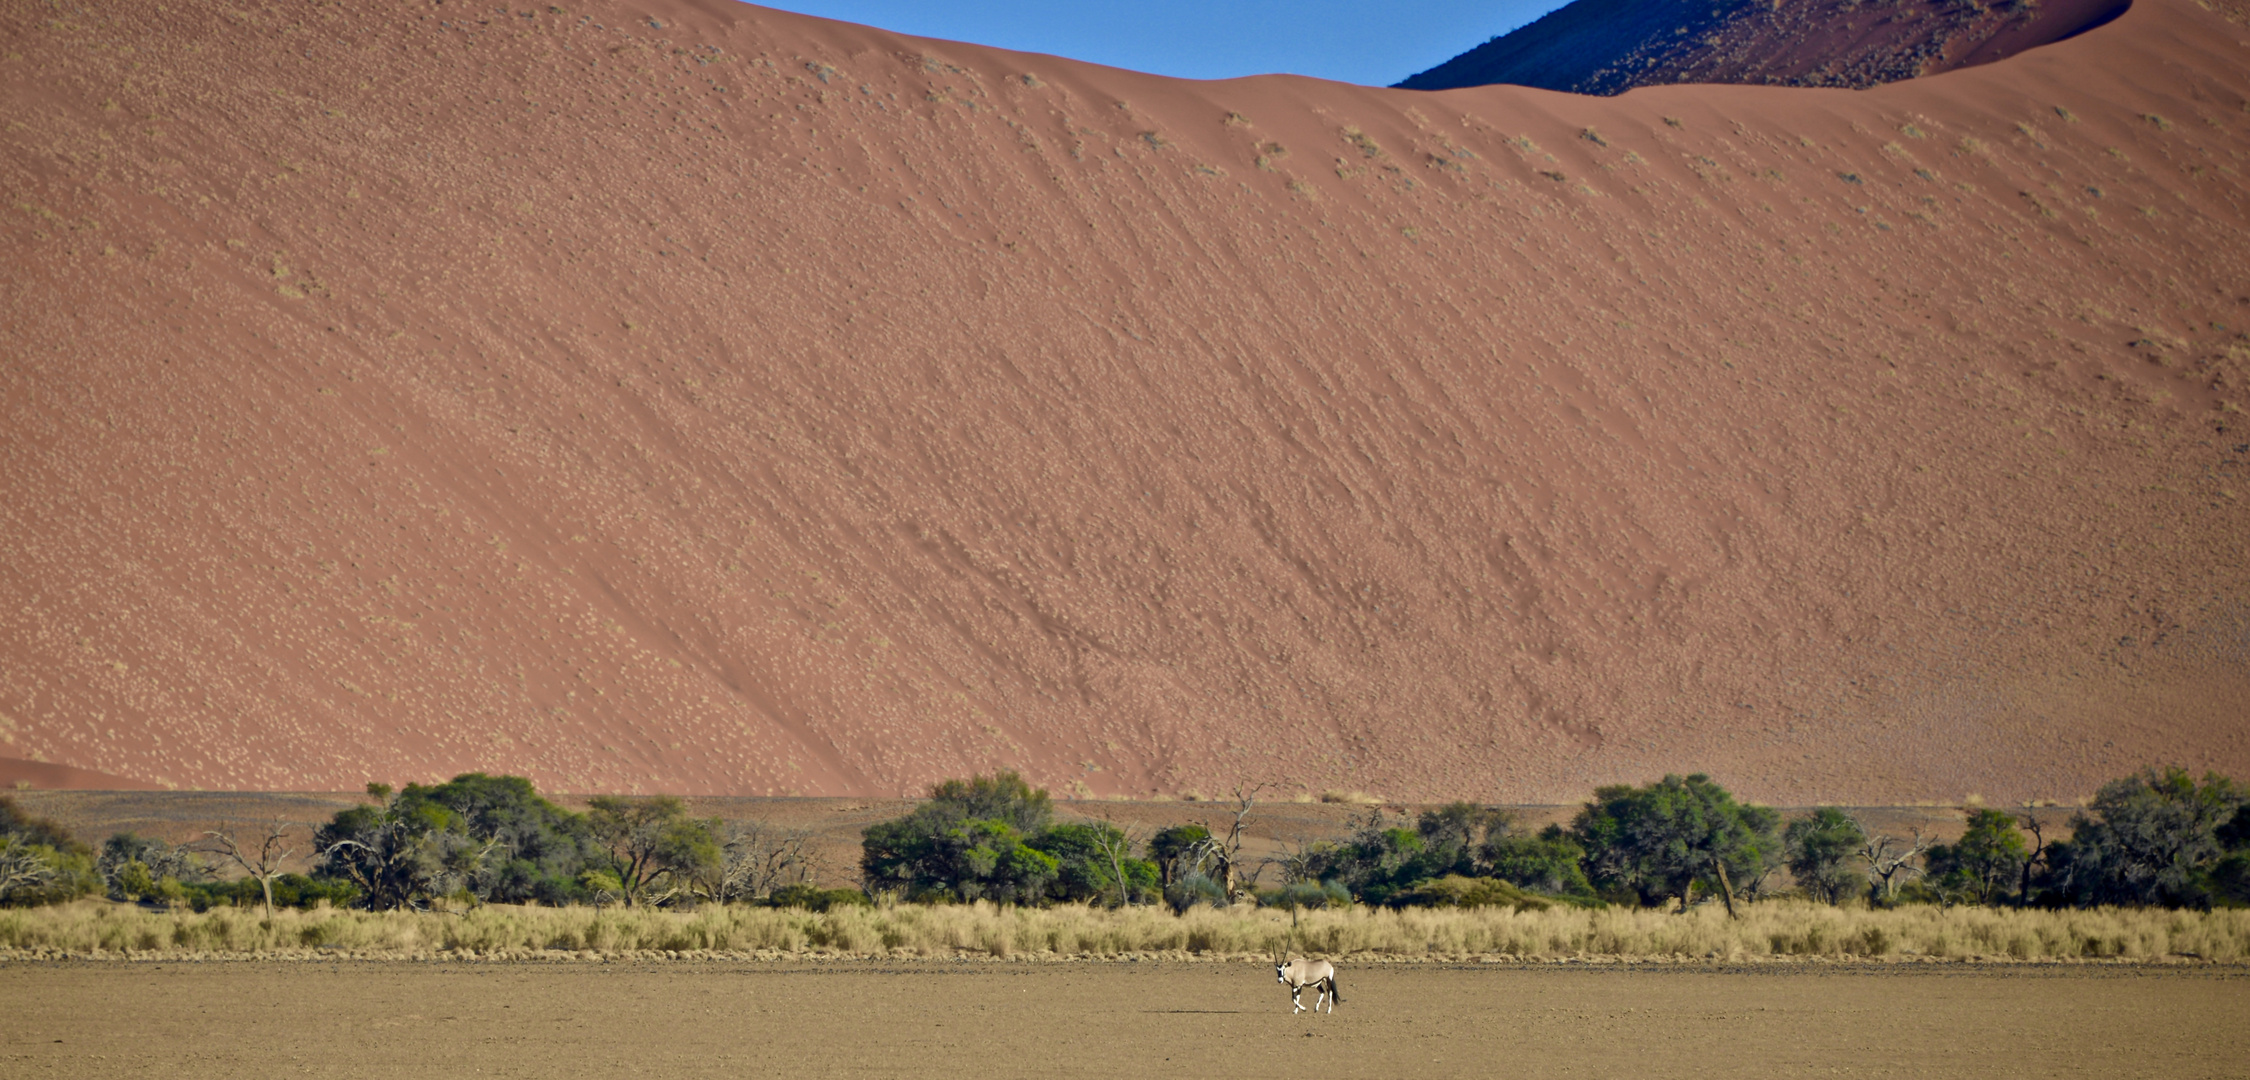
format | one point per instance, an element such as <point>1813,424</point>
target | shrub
<point>1379,859</point>
<point>34,874</point>
<point>289,891</point>
<point>1455,891</point>
<point>1194,889</point>
<point>992,838</point>
<point>1306,896</point>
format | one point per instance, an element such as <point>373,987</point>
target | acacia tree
<point>650,848</point>
<point>2149,839</point>
<point>1821,848</point>
<point>1660,841</point>
<point>1989,856</point>
<point>970,841</point>
<point>407,848</point>
<point>1549,862</point>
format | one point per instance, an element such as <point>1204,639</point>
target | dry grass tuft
<point>1772,929</point>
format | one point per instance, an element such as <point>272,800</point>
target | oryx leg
<point>1296,1001</point>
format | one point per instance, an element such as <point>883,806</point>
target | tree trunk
<point>1726,888</point>
<point>267,883</point>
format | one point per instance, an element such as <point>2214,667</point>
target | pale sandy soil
<point>996,1021</point>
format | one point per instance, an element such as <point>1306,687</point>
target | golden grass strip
<point>1774,929</point>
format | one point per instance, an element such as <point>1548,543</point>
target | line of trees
<point>2156,838</point>
<point>2160,837</point>
<point>473,839</point>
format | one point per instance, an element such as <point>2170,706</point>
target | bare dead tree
<point>1888,857</point>
<point>758,857</point>
<point>22,869</point>
<point>1224,854</point>
<point>264,863</point>
<point>1295,863</point>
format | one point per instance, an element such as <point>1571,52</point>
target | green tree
<point>991,838</point>
<point>1454,836</point>
<point>1376,861</point>
<point>1979,868</point>
<point>1088,858</point>
<point>488,838</point>
<point>1003,796</point>
<point>1824,851</point>
<point>648,850</point>
<point>533,849</point>
<point>1662,840</point>
<point>403,850</point>
<point>1550,862</point>
<point>2152,838</point>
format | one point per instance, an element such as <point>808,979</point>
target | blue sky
<point>1370,43</point>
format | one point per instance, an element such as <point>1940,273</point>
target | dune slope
<point>692,397</point>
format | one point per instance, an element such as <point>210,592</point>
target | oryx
<point>1298,974</point>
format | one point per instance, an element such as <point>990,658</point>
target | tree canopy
<point>1660,841</point>
<point>1823,850</point>
<point>2157,837</point>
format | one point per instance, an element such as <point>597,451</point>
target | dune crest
<point>692,397</point>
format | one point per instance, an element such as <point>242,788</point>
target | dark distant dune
<point>17,775</point>
<point>686,396</point>
<point>1611,46</point>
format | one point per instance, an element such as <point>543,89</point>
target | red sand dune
<point>692,397</point>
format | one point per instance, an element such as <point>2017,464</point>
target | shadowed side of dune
<point>1611,46</point>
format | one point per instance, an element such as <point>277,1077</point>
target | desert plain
<point>1004,1020</point>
